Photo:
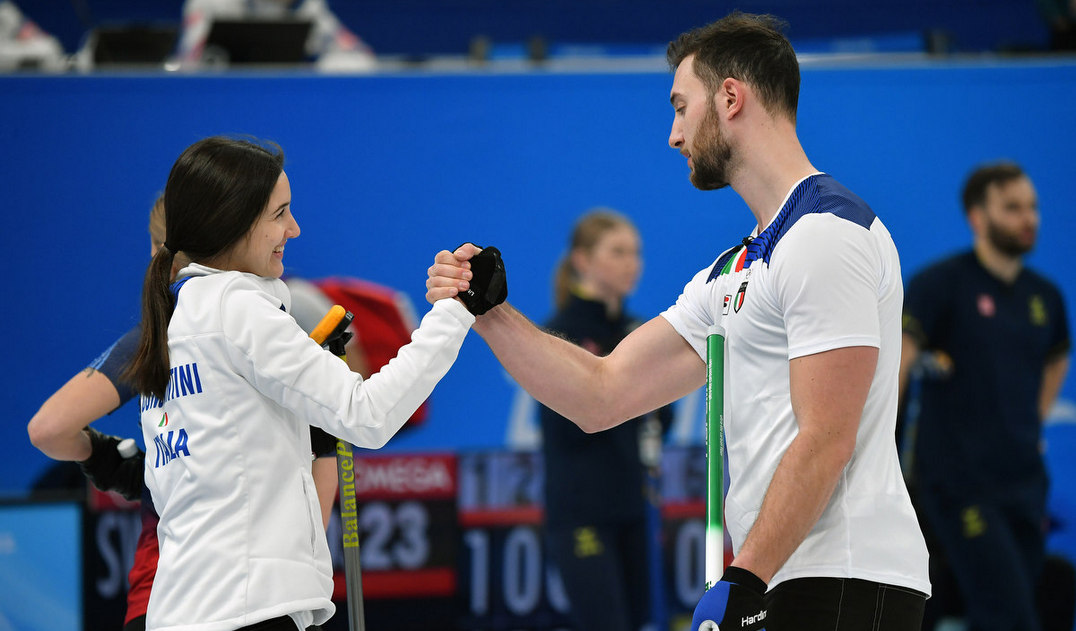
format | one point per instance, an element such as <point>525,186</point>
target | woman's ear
<point>579,259</point>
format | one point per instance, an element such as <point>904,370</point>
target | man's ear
<point>730,97</point>
<point>976,218</point>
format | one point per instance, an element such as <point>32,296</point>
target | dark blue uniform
<point>595,503</point>
<point>112,362</point>
<point>979,475</point>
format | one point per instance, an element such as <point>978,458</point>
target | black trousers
<point>605,574</point>
<point>842,604</point>
<point>995,548</point>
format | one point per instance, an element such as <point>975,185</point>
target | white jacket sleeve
<point>281,362</point>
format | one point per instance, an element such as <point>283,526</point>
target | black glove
<point>489,283</point>
<point>110,471</point>
<point>734,603</point>
<point>322,443</point>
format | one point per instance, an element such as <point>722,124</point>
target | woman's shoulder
<point>229,287</point>
<point>249,287</point>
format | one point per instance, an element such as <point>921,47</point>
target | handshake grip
<point>113,466</point>
<point>489,282</point>
<point>733,604</point>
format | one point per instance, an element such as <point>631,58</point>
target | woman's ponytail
<point>149,369</point>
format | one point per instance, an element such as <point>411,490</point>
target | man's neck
<point>769,168</point>
<point>1006,268</point>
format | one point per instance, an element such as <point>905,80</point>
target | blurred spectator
<point>595,484</point>
<point>25,46</point>
<point>1059,439</point>
<point>1060,16</point>
<point>1060,454</point>
<point>331,44</point>
<point>990,339</point>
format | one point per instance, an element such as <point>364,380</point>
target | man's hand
<point>733,604</point>
<point>111,471</point>
<point>489,282</point>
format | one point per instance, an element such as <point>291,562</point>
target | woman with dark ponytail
<point>222,185</point>
<point>230,385</point>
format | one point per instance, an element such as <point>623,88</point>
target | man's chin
<point>706,185</point>
<point>1016,250</point>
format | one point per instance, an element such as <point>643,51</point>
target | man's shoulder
<point>822,197</point>
<point>1040,281</point>
<point>835,199</point>
<point>948,266</point>
<point>822,215</point>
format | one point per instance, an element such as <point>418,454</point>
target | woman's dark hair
<point>217,190</point>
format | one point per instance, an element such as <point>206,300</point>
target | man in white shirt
<point>811,302</point>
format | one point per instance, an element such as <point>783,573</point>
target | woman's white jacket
<point>228,449</point>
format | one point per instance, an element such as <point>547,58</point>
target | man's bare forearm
<point>554,371</point>
<point>651,367</point>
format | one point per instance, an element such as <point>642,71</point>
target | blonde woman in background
<point>595,484</point>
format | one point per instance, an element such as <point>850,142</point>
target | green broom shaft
<point>715,405</point>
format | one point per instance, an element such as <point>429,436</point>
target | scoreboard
<point>448,541</point>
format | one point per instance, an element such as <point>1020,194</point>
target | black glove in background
<point>109,471</point>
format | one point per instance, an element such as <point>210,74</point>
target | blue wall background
<point>388,169</point>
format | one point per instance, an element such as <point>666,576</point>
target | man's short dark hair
<point>747,47</point>
<point>985,176</point>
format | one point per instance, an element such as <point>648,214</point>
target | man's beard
<point>1008,243</point>
<point>711,156</point>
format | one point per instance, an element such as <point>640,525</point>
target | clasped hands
<point>474,275</point>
